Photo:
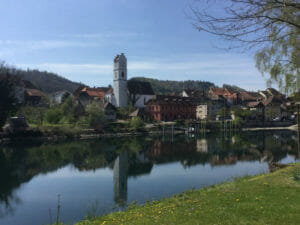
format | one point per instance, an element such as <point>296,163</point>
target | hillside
<point>45,81</point>
<point>168,86</point>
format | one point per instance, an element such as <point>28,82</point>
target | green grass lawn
<point>265,199</point>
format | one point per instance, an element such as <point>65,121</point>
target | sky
<point>78,39</point>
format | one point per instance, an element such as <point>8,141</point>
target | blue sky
<point>78,39</point>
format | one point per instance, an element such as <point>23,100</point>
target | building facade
<point>170,108</point>
<point>120,81</point>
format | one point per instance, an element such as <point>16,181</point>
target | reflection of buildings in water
<point>120,178</point>
<point>216,160</point>
<point>125,166</point>
<point>202,145</point>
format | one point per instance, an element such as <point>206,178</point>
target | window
<point>123,75</point>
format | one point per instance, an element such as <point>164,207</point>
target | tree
<point>95,114</point>
<point>8,102</point>
<point>272,27</point>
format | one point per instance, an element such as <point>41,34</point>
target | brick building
<point>170,108</point>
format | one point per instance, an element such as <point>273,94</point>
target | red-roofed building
<point>87,95</point>
<point>230,95</point>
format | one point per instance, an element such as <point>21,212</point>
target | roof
<point>169,100</point>
<point>250,96</point>
<point>255,104</point>
<point>265,94</point>
<point>222,91</point>
<point>96,92</point>
<point>218,91</point>
<point>139,87</point>
<point>274,92</point>
<point>272,99</point>
<point>139,112</point>
<point>34,92</point>
<point>194,93</point>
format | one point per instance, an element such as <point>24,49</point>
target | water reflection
<point>135,158</point>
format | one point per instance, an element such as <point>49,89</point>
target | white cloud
<point>43,44</point>
<point>229,69</point>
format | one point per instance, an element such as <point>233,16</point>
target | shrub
<point>53,115</point>
<point>95,115</point>
<point>136,123</point>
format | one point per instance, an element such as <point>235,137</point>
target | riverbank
<point>120,129</point>
<point>265,199</point>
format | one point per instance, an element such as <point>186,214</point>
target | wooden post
<point>298,119</point>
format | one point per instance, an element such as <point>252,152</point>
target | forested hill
<point>45,81</point>
<point>168,86</point>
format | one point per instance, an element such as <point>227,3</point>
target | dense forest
<point>45,81</point>
<point>168,86</point>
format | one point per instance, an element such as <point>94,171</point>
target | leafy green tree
<point>95,115</point>
<point>124,112</point>
<point>8,102</point>
<point>136,123</point>
<point>272,27</point>
<point>224,112</point>
<point>54,115</point>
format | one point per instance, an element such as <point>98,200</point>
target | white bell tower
<point>120,80</point>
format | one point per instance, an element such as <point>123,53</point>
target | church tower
<point>120,80</point>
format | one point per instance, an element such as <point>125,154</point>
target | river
<point>92,177</point>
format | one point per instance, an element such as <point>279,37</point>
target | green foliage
<point>136,123</point>
<point>47,82</point>
<point>244,114</point>
<point>95,115</point>
<point>8,102</point>
<point>224,112</point>
<point>168,86</point>
<point>54,115</point>
<point>124,112</point>
<point>34,115</point>
<point>271,28</point>
<point>267,197</point>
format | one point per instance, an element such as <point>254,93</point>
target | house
<point>139,93</point>
<point>139,112</point>
<point>57,97</point>
<point>230,95</point>
<point>86,95</point>
<point>247,96</point>
<point>170,108</point>
<point>259,108</point>
<point>33,97</point>
<point>273,108</point>
<point>194,94</point>
<point>25,92</point>
<point>110,112</point>
<point>209,110</point>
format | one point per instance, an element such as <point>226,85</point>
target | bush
<point>137,123</point>
<point>95,115</point>
<point>33,115</point>
<point>53,115</point>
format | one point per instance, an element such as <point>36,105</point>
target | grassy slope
<point>266,199</point>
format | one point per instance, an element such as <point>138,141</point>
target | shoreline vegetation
<point>271,198</point>
<point>121,129</point>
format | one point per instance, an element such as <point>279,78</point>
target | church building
<point>136,93</point>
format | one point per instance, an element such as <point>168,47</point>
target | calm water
<point>100,176</point>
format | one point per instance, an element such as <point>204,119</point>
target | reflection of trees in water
<point>8,182</point>
<point>18,164</point>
